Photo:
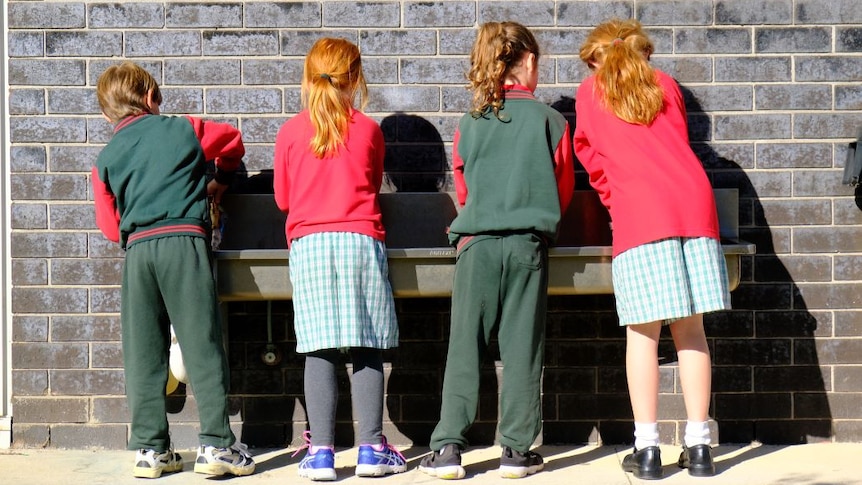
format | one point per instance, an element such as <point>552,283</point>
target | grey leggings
<point>366,389</point>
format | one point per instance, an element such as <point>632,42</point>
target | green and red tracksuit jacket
<point>150,180</point>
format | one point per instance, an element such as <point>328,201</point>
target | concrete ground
<point>814,464</point>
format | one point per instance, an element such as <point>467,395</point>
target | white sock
<point>697,433</point>
<point>646,434</point>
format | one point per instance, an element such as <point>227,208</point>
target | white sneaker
<point>151,463</point>
<point>220,461</point>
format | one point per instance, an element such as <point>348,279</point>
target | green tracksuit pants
<point>500,281</point>
<point>169,281</point>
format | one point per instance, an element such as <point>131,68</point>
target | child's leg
<point>474,314</point>
<point>321,395</point>
<point>642,374</point>
<point>695,368</point>
<point>366,386</point>
<point>189,292</point>
<point>522,340</point>
<point>145,338</point>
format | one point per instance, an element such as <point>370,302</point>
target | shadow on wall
<point>767,381</point>
<point>415,155</point>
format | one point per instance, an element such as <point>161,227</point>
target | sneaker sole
<point>318,474</point>
<point>223,469</point>
<point>507,471</point>
<point>140,472</point>
<point>378,470</point>
<point>455,472</point>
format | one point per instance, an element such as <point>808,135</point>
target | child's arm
<point>221,142</point>
<point>564,169</point>
<point>107,214</point>
<point>280,175</point>
<point>458,171</point>
<point>593,163</point>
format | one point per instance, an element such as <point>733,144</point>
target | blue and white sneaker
<point>318,466</point>
<point>379,460</point>
<point>234,460</point>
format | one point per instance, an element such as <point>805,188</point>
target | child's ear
<point>151,104</point>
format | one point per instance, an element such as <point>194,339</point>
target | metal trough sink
<point>252,262</point>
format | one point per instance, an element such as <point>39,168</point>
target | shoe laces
<point>392,449</point>
<point>306,435</point>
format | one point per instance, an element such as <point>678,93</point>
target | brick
<point>686,69</point>
<point>110,409</point>
<point>589,14</point>
<point>829,240</point>
<point>29,272</point>
<point>433,71</point>
<point>54,187</point>
<point>788,378</point>
<point>49,300</point>
<point>100,131</point>
<point>183,101</point>
<point>848,378</point>
<point>26,44</point>
<point>86,272</point>
<point>46,15</point>
<point>87,382</point>
<point>380,71</point>
<point>799,323</point>
<point>398,42</point>
<point>298,42</point>
<point>809,183</point>
<point>29,216</point>
<point>795,212</point>
<point>73,101</point>
<point>753,406</point>
<point>832,351</point>
<point>558,42</point>
<point>456,41</point>
<point>712,41</point>
<point>66,328</point>
<point>105,300</point>
<point>202,72</point>
<point>539,12</point>
<point>76,44</point>
<point>675,12</point>
<point>111,437</point>
<point>278,72</point>
<point>744,12</point>
<point>752,352</point>
<point>243,100</point>
<point>49,355</point>
<point>831,12</point>
<point>848,97</point>
<point>753,69</point>
<point>29,382</point>
<point>793,39</point>
<point>73,158</point>
<point>840,125</point>
<point>30,436</point>
<point>282,14</point>
<point>259,157</point>
<point>29,328</point>
<point>731,379</point>
<point>208,15</point>
<point>98,66</point>
<point>793,97</point>
<point>48,245</point>
<point>439,14</point>
<point>846,431</point>
<point>126,15</point>
<point>361,14</point>
<point>99,247</point>
<point>240,43</point>
<point>407,98</point>
<point>754,126</point>
<point>261,130</point>
<point>165,43</point>
<point>847,267</point>
<point>27,158</point>
<point>831,68</point>
<point>721,98</point>
<point>47,129</point>
<point>835,296</point>
<point>794,155</point>
<point>46,72</point>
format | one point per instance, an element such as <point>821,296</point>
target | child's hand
<point>216,190</point>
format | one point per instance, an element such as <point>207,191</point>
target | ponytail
<point>618,52</point>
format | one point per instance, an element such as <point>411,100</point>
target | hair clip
<point>326,76</point>
<point>616,41</point>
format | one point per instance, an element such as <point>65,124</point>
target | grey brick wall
<point>773,91</point>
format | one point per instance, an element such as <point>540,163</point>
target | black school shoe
<point>514,464</point>
<point>445,464</point>
<point>698,460</point>
<point>644,463</point>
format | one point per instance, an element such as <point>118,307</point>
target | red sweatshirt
<point>337,193</point>
<point>652,183</point>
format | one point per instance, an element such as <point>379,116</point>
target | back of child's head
<point>123,88</point>
<point>498,49</point>
<point>331,79</point>
<point>618,51</point>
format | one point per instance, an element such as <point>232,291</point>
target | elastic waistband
<point>165,231</point>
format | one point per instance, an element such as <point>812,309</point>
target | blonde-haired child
<point>513,171</point>
<point>150,194</point>
<point>328,171</point>
<point>668,266</point>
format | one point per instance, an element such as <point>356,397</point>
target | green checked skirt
<point>670,279</point>
<point>341,293</point>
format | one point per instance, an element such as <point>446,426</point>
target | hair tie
<point>616,41</point>
<point>326,76</point>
